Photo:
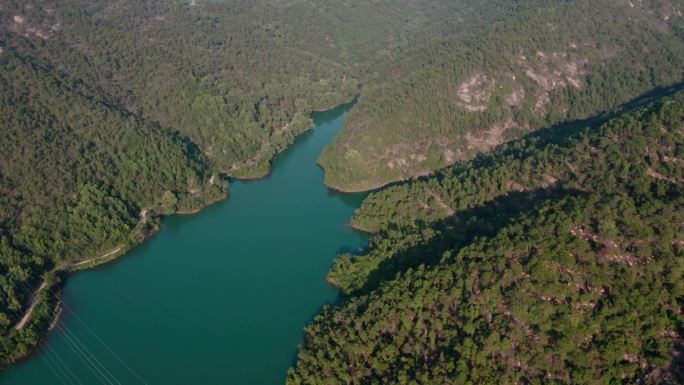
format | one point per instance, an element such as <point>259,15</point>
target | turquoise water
<point>220,297</point>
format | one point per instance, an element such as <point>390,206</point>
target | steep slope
<point>220,74</point>
<point>114,112</point>
<point>542,65</point>
<point>565,156</point>
<point>563,265</point>
<point>239,77</point>
<point>75,174</point>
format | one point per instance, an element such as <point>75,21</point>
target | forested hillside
<point>76,172</point>
<point>557,259</point>
<point>219,74</point>
<point>114,112</point>
<point>238,78</point>
<point>537,66</point>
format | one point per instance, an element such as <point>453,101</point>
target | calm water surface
<point>220,297</point>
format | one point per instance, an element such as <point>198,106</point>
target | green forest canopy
<point>536,67</point>
<point>114,112</point>
<point>553,260</point>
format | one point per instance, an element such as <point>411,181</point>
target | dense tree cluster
<point>560,260</point>
<point>116,112</point>
<point>75,173</point>
<point>113,112</point>
<point>571,156</point>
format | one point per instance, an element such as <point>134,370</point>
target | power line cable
<point>68,330</point>
<point>54,369</point>
<point>94,368</point>
<point>64,364</point>
<point>75,345</point>
<point>104,344</point>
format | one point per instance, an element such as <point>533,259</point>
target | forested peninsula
<point>527,156</point>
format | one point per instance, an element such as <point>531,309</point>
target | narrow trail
<point>35,298</point>
<point>108,254</point>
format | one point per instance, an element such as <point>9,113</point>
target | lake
<point>220,297</point>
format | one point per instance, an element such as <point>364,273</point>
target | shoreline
<point>382,185</point>
<point>279,151</point>
<point>122,250</point>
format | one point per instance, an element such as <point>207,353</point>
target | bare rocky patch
<point>670,11</point>
<point>553,71</point>
<point>655,174</point>
<point>475,92</point>
<point>440,202</point>
<point>612,252</point>
<point>517,96</point>
<point>449,156</point>
<point>400,155</point>
<point>44,28</point>
<point>489,138</point>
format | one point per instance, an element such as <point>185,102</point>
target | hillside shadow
<point>456,232</point>
<point>554,134</point>
<point>561,132</point>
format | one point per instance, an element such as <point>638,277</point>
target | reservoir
<point>220,297</point>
